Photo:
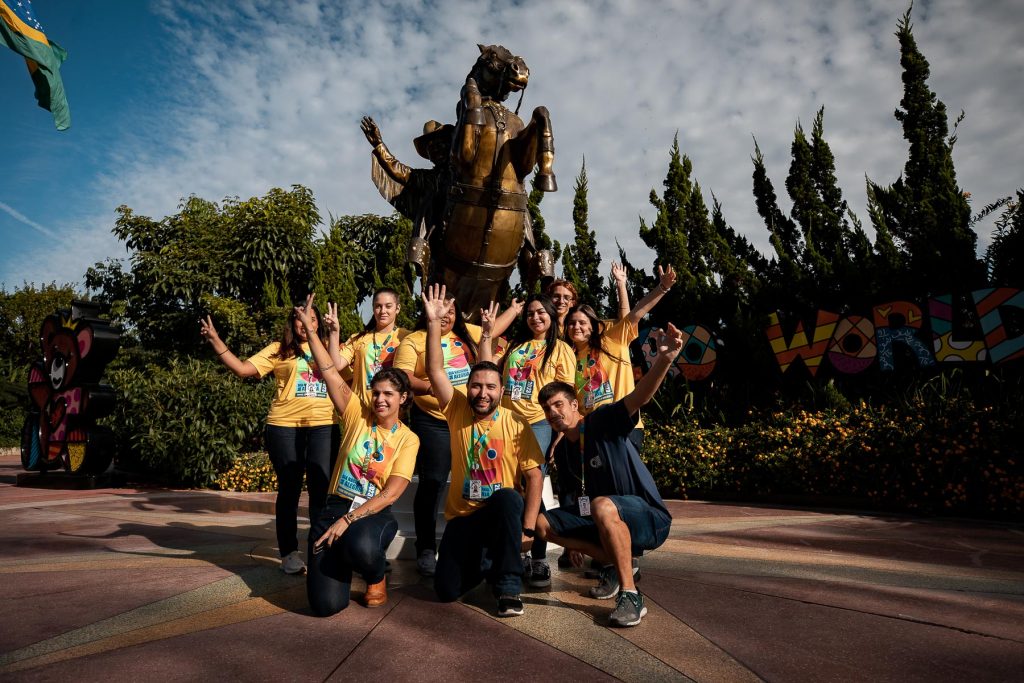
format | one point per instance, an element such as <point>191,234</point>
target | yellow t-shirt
<point>523,377</point>
<point>301,398</point>
<point>412,357</point>
<point>603,378</point>
<point>502,448</point>
<point>371,453</point>
<point>367,353</point>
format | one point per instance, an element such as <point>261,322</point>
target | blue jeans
<point>541,432</point>
<point>294,452</point>
<point>433,463</point>
<point>484,544</point>
<point>362,548</point>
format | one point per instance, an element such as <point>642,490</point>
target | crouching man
<point>617,511</point>
<point>488,522</point>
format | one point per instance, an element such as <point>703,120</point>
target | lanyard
<point>378,348</point>
<point>378,447</point>
<point>476,442</point>
<point>583,460</point>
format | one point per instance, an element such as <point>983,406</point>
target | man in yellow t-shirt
<point>488,521</point>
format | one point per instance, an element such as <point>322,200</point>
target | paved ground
<point>166,585</point>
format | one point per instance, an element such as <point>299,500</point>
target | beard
<point>483,405</point>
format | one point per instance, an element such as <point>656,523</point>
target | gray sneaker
<point>426,563</point>
<point>629,609</point>
<point>608,586</point>
<point>540,574</point>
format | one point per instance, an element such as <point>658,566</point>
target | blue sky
<point>170,99</point>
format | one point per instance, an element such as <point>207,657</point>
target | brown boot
<point>376,593</point>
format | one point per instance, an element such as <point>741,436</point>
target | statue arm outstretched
<point>388,173</point>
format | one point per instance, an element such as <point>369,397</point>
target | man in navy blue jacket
<point>617,511</point>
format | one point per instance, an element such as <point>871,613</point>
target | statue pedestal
<point>68,481</point>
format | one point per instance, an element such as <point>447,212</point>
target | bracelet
<point>484,336</point>
<point>349,517</point>
<point>323,370</point>
<point>664,290</point>
<point>223,352</point>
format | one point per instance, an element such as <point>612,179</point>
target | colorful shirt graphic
<point>301,397</point>
<point>368,353</point>
<point>603,378</point>
<point>524,377</point>
<point>506,447</point>
<point>367,457</point>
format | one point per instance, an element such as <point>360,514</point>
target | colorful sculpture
<point>67,396</point>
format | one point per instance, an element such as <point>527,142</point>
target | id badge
<point>476,489</point>
<point>584,503</point>
<point>376,367</point>
<point>359,500</point>
<point>517,392</point>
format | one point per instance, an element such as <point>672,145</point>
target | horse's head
<point>498,72</point>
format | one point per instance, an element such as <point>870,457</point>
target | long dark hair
<point>458,328</point>
<point>289,345</point>
<point>371,324</point>
<point>596,329</point>
<point>523,333</point>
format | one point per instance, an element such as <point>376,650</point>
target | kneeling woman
<point>375,464</point>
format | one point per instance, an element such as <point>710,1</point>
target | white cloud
<point>271,94</point>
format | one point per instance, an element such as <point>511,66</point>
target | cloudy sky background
<point>171,98</point>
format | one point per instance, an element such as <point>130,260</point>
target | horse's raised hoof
<point>546,183</point>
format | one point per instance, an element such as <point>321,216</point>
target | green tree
<point>581,261</point>
<point>1005,256</point>
<point>380,242</point>
<point>683,235</point>
<point>246,259</point>
<point>22,312</point>
<point>925,211</point>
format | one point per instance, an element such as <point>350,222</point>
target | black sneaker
<point>540,574</point>
<point>629,609</point>
<point>510,606</point>
<point>564,561</point>
<point>608,587</point>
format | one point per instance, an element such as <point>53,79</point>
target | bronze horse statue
<point>485,226</point>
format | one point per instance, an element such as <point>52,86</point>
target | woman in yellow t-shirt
<point>433,462</point>
<point>604,373</point>
<point>374,466</point>
<point>300,436</point>
<point>370,351</point>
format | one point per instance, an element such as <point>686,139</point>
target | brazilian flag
<point>21,31</point>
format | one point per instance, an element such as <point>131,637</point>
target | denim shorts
<point>648,526</point>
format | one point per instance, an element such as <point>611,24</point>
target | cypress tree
<point>925,211</point>
<point>581,261</point>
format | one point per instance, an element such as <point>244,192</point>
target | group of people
<point>489,409</point>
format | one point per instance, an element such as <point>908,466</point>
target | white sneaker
<point>292,563</point>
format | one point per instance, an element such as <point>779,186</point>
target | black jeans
<point>295,451</point>
<point>483,545</point>
<point>433,463</point>
<point>362,548</point>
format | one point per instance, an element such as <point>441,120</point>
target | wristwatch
<point>529,533</point>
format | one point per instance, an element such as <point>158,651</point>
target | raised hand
<point>669,342</point>
<point>517,305</point>
<point>207,330</point>
<point>305,313</point>
<point>666,278</point>
<point>487,317</point>
<point>330,318</point>
<point>618,272</point>
<point>371,131</point>
<point>435,304</point>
